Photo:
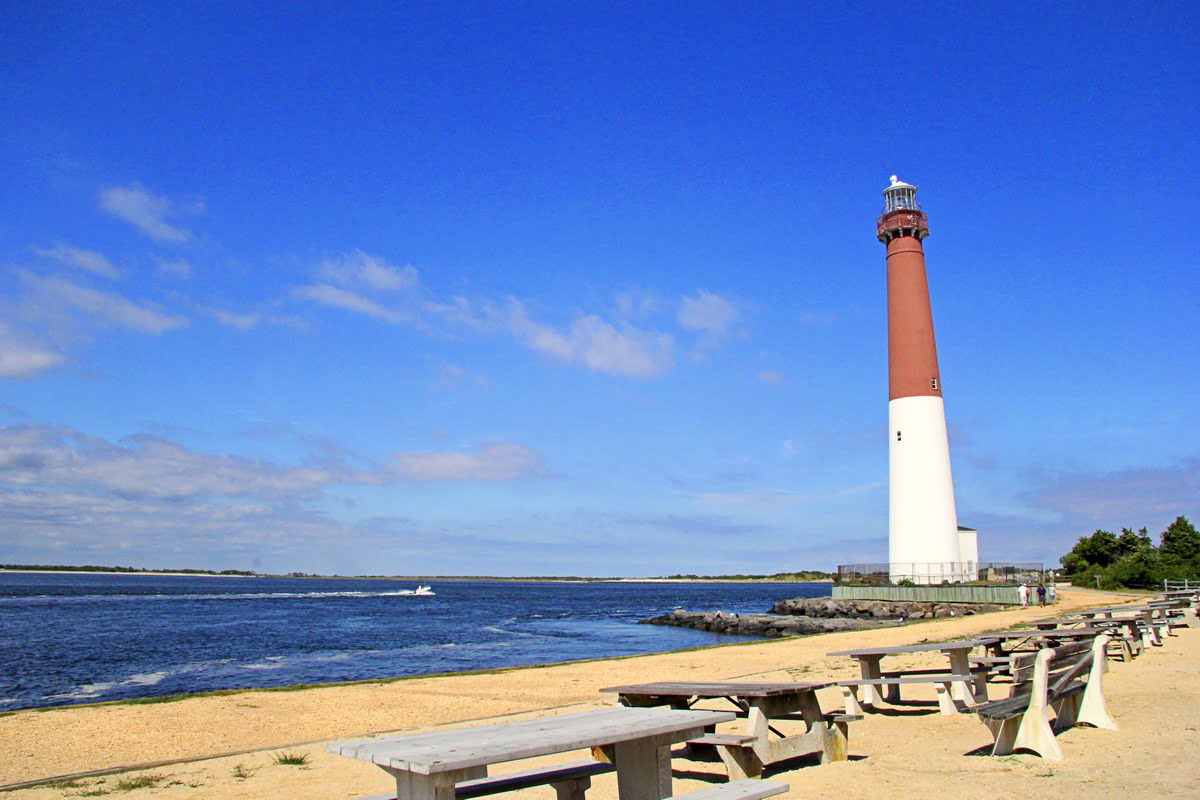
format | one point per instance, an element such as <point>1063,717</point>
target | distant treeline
<point>1131,560</point>
<point>782,577</point>
<point>94,568</point>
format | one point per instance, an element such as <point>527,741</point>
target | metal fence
<point>937,574</point>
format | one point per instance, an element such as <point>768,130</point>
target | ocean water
<point>84,638</point>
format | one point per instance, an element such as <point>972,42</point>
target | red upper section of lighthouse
<point>902,222</point>
<point>912,348</point>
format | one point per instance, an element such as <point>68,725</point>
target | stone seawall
<point>827,607</point>
<point>809,615</point>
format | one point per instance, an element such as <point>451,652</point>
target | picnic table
<point>959,653</point>
<point>1150,620</point>
<point>1125,632</point>
<point>1001,639</point>
<point>746,754</point>
<point>637,741</point>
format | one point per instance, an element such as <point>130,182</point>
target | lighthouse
<point>924,541</point>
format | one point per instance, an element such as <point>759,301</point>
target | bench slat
<point>940,678</point>
<point>745,789</point>
<point>725,739</point>
<point>534,777</point>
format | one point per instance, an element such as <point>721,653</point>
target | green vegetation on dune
<point>778,577</point>
<point>1132,561</point>
<point>94,568</point>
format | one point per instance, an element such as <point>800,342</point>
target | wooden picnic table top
<point>1114,610</point>
<point>718,689</point>
<point>1105,623</point>
<point>463,748</point>
<point>1057,633</point>
<point>963,644</point>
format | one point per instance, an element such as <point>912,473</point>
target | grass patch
<point>289,759</point>
<point>140,782</point>
<point>241,772</point>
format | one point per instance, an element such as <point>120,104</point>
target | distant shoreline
<point>412,578</point>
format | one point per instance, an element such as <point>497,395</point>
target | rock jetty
<point>802,616</point>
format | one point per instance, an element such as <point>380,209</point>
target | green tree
<point>1130,543</point>
<point>1100,548</point>
<point>1181,540</point>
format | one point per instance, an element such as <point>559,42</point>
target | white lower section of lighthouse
<point>923,545</point>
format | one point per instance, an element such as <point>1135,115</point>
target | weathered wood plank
<point>714,689</point>
<point>441,751</point>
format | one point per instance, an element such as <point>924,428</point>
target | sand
<point>906,753</point>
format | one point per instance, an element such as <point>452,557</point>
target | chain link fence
<point>936,574</point>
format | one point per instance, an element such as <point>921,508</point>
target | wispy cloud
<point>1126,497</point>
<point>371,272</point>
<point>88,260</point>
<point>706,312</point>
<point>176,267</point>
<point>20,359</point>
<point>230,319</point>
<point>104,308</point>
<point>495,461</point>
<point>146,467</point>
<point>347,300</point>
<point>361,283</point>
<point>771,376</point>
<point>146,211</point>
<point>597,344</point>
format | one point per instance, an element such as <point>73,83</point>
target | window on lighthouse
<point>933,383</point>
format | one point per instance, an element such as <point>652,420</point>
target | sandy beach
<point>224,746</point>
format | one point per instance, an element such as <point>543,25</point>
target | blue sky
<point>593,289</point>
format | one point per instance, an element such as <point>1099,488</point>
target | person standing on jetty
<point>1041,593</point>
<point>1023,594</point>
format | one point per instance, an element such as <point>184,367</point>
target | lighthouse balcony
<point>902,222</point>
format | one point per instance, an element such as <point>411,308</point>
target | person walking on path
<point>1041,592</point>
<point>1023,594</point>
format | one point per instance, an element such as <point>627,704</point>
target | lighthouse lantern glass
<point>900,197</point>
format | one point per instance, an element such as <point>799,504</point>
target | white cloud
<point>596,344</point>
<point>771,376</point>
<point>230,319</point>
<point>20,359</point>
<point>496,461</point>
<point>635,303</point>
<point>148,467</point>
<point>88,260</point>
<point>347,300</point>
<point>706,312</point>
<point>177,267</point>
<point>1127,497</point>
<point>361,269</point>
<point>145,210</point>
<point>103,307</point>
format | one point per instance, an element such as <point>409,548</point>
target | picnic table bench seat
<point>995,665</point>
<point>942,682</point>
<point>569,781</point>
<point>745,789</point>
<point>1068,680</point>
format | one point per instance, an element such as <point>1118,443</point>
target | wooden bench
<point>746,789</point>
<point>942,683</point>
<point>1068,679</point>
<point>569,781</point>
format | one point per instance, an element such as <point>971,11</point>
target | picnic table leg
<point>869,666</point>
<point>440,786</point>
<point>643,768</point>
<point>960,664</point>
